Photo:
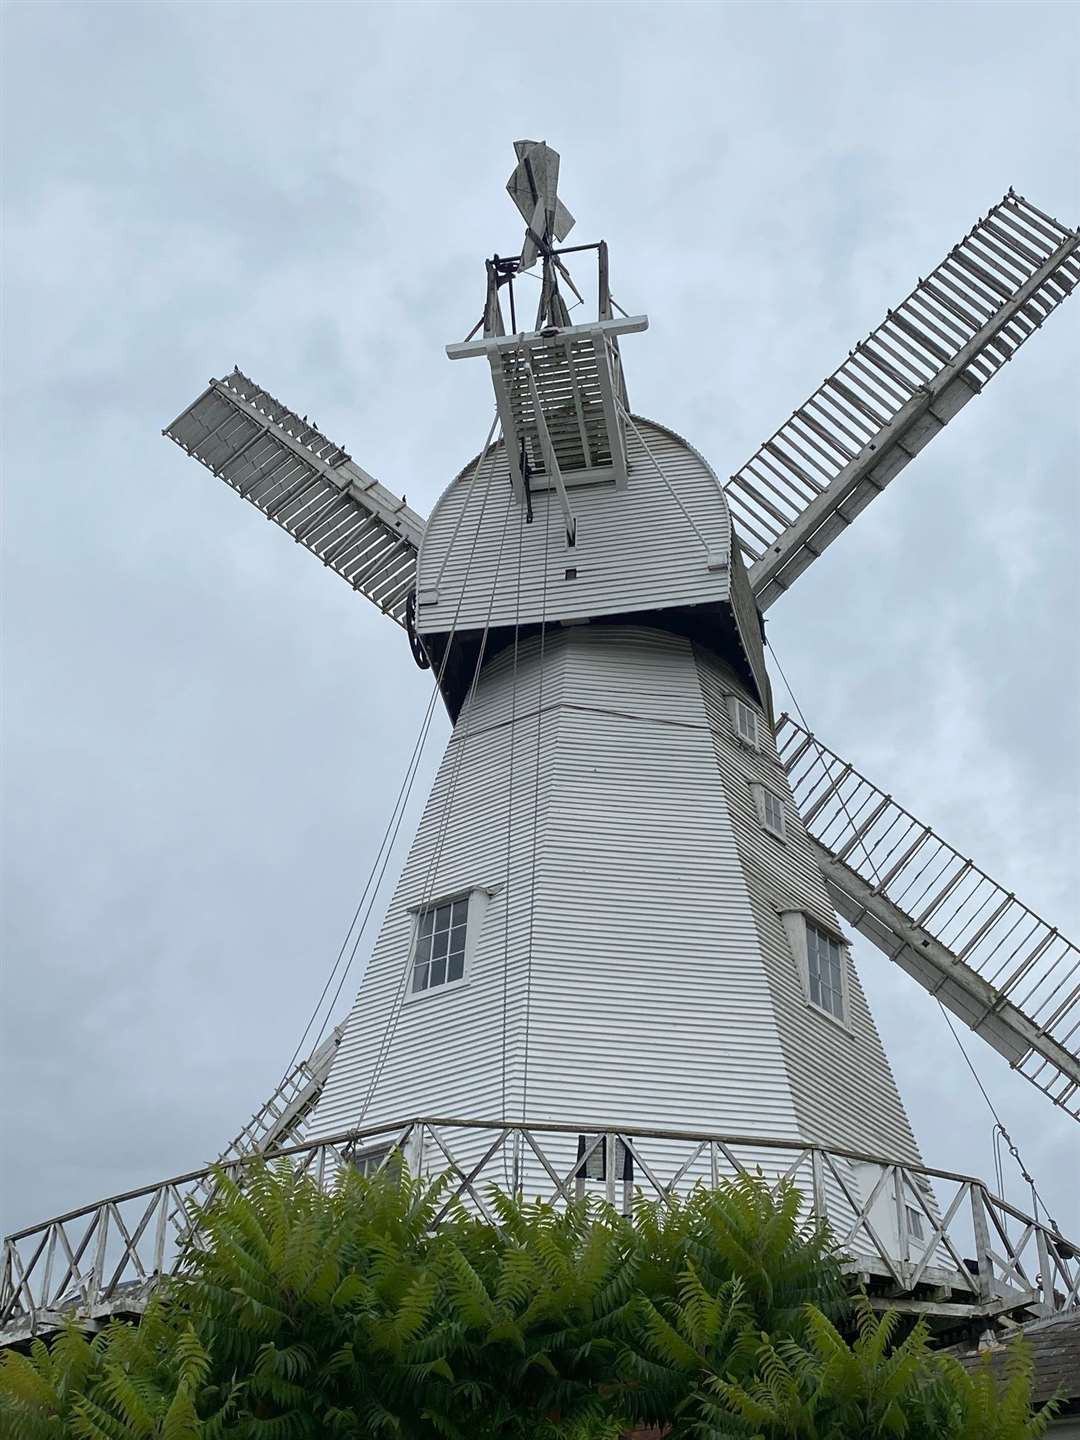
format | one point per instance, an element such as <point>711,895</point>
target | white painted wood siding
<point>630,968</point>
<point>844,1089</point>
<point>641,912</point>
<point>636,548</point>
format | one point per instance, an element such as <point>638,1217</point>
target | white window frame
<point>738,708</point>
<point>913,1224</point>
<point>373,1159</point>
<point>762,794</point>
<point>796,924</point>
<point>477,904</point>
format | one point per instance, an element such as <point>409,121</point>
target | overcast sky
<point>204,730</point>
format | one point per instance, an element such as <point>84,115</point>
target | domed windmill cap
<point>533,187</point>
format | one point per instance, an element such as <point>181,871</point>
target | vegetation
<point>353,1314</point>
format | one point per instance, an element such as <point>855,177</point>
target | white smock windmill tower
<point>615,959</point>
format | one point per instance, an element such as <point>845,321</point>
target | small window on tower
<point>745,723</point>
<point>439,958</point>
<point>825,970</point>
<point>771,811</point>
<point>914,1223</point>
<point>373,1159</point>
<point>821,958</point>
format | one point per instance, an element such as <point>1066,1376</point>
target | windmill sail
<point>1011,977</point>
<point>898,389</point>
<point>280,1120</point>
<point>297,477</point>
<point>616,927</point>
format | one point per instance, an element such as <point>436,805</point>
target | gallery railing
<point>926,1240</point>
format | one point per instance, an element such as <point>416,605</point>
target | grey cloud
<point>203,731</point>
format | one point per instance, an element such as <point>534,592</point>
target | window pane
<point>593,1166</point>
<point>440,944</point>
<point>824,971</point>
<point>368,1161</point>
<point>834,966</point>
<point>774,812</point>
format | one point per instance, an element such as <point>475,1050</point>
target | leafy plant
<point>713,1272</point>
<point>376,1309</point>
<point>978,1406</point>
<point>126,1384</point>
<point>827,1389</point>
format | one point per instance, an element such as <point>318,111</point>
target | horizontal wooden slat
<point>307,484</point>
<point>907,379</point>
<point>1009,975</point>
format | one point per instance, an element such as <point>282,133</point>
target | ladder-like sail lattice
<point>281,1119</point>
<point>898,389</point>
<point>1011,977</point>
<point>572,381</point>
<point>558,394</point>
<point>297,477</point>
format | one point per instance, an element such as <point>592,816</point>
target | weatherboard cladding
<point>845,1092</point>
<point>447,1052</point>
<point>642,888</point>
<point>635,550</point>
<point>635,924</point>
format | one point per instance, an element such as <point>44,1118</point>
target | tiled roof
<point>1054,1345</point>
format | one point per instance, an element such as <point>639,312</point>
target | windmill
<point>615,955</point>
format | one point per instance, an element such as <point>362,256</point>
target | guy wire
<point>464,721</point>
<point>998,1125</point>
<point>535,816</point>
<point>397,814</point>
<point>510,1179</point>
<point>510,803</point>
<point>432,700</point>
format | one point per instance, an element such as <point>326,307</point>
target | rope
<point>535,817</point>
<point>465,717</point>
<point>457,525</point>
<point>999,1129</point>
<point>659,470</point>
<point>390,1029</point>
<point>404,793</point>
<point>824,762</point>
<point>511,1170</point>
<point>510,818</point>
<point>998,1124</point>
<point>390,833</point>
